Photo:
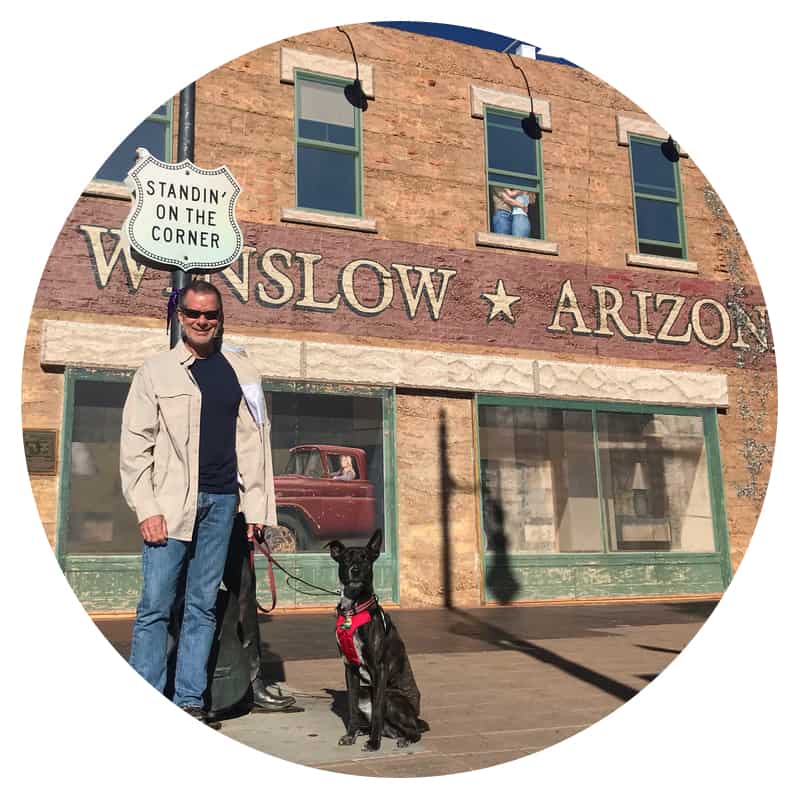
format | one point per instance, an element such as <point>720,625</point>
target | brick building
<point>547,338</point>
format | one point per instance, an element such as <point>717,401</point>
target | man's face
<point>199,331</point>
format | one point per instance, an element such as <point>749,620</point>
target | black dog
<point>374,654</point>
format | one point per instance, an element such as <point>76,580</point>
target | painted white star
<point>501,302</point>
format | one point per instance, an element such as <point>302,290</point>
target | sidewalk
<point>496,683</point>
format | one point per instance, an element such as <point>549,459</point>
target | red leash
<point>264,548</point>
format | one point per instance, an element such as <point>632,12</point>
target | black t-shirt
<point>221,395</point>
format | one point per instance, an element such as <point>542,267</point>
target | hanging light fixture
<point>354,92</point>
<point>530,125</point>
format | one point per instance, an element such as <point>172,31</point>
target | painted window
<point>658,206</point>
<point>95,518</point>
<point>328,146</point>
<point>155,134</point>
<point>589,478</point>
<point>513,176</point>
<point>328,459</point>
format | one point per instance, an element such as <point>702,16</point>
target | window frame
<point>537,144</point>
<point>167,121</point>
<point>713,467</point>
<point>677,201</point>
<point>301,75</point>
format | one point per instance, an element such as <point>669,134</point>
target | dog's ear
<point>336,548</point>
<point>374,544</point>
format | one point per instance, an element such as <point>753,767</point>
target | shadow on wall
<point>500,580</point>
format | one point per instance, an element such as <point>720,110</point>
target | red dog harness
<point>347,624</point>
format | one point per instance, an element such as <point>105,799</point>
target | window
<point>657,199</point>
<point>155,133</point>
<point>328,459</point>
<point>328,152</point>
<point>97,519</point>
<point>582,478</point>
<point>513,176</point>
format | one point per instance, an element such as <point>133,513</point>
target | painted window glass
<point>513,177</point>
<point>655,482</point>
<point>98,519</point>
<point>558,480</point>
<point>327,164</point>
<point>154,133</point>
<point>327,456</point>
<point>657,198</point>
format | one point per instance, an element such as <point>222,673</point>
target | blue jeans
<point>520,225</point>
<point>501,222</point>
<point>162,565</point>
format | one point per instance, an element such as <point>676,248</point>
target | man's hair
<point>200,287</point>
<point>205,287</point>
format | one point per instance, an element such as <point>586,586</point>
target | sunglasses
<point>196,313</point>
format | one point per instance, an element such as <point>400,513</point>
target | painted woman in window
<point>520,201</point>
<point>345,471</point>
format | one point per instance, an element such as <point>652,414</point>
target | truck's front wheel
<point>297,528</point>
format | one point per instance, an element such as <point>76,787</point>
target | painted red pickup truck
<point>317,500</point>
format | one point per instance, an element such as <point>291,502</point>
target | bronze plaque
<point>40,450</point>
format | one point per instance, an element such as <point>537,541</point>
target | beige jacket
<point>160,442</point>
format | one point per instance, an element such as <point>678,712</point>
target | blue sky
<point>472,36</point>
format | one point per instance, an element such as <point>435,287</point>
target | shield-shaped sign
<point>182,215</point>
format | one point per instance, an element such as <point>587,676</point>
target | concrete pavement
<point>496,683</point>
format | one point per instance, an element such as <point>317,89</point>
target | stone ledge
<point>484,239</point>
<point>117,191</point>
<point>480,96</point>
<point>329,220</point>
<point>83,344</point>
<point>631,384</point>
<point>660,262</point>
<point>644,127</point>
<point>325,65</point>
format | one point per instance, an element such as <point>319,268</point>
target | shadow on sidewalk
<point>503,640</point>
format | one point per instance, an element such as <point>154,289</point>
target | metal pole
<point>180,278</point>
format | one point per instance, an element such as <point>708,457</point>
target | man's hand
<point>154,529</point>
<point>253,531</point>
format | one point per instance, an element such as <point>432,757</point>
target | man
<point>194,448</point>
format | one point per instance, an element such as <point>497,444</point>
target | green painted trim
<point>538,178</point>
<point>717,491</point>
<point>677,200</point>
<point>356,150</point>
<point>605,534</point>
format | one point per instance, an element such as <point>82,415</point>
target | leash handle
<point>262,545</point>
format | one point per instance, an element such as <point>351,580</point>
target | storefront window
<point>585,480</point>
<point>655,482</point>
<point>327,455</point>
<point>98,519</point>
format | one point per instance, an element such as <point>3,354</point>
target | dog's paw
<point>348,738</point>
<point>369,747</point>
<point>402,742</point>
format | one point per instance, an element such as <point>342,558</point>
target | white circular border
<point>720,79</point>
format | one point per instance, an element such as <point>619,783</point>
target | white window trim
<point>324,220</point>
<point>485,239</point>
<point>83,344</point>
<point>117,191</point>
<point>641,126</point>
<point>480,96</point>
<point>325,65</point>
